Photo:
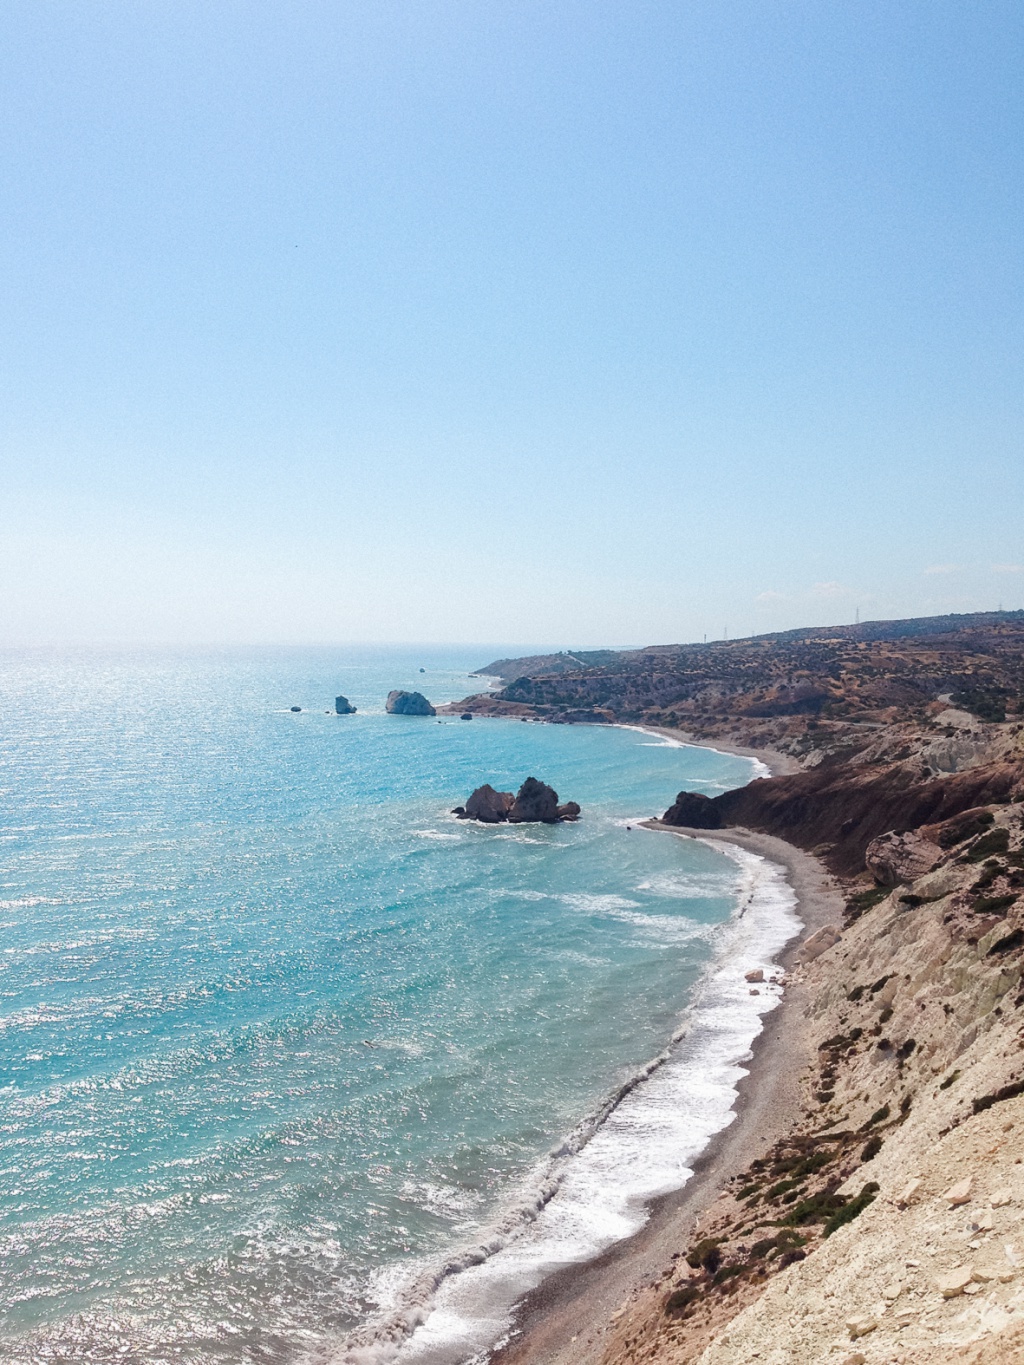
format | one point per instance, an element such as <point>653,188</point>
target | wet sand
<point>565,1320</point>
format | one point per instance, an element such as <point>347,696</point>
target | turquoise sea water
<point>280,1039</point>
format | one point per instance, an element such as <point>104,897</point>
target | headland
<point>867,1203</point>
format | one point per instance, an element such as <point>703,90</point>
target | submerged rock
<point>408,704</point>
<point>343,707</point>
<point>535,801</point>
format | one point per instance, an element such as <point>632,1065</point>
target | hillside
<point>892,724</point>
<point>883,1219</point>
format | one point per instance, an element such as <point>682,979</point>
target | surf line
<point>590,1191</point>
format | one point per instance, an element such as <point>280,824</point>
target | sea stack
<point>535,802</point>
<point>408,704</point>
<point>343,707</point>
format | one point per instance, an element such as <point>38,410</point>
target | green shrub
<point>818,1208</point>
<point>706,1255</point>
<point>879,1116</point>
<point>995,841</point>
<point>681,1299</point>
<point>852,1208</point>
<point>871,1148</point>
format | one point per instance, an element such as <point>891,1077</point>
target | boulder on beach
<point>534,801</point>
<point>487,805</point>
<point>343,707</point>
<point>408,704</point>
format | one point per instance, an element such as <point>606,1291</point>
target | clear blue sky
<point>538,320</point>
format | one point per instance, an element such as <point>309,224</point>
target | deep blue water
<point>276,1031</point>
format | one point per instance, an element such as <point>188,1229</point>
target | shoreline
<point>568,1317</point>
<point>777,763</point>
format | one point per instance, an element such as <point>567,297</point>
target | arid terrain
<point>886,1222</point>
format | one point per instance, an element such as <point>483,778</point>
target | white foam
<point>761,769</point>
<point>595,1188</point>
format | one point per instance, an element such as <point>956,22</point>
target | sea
<point>295,1066</point>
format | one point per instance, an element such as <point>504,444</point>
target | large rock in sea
<point>693,810</point>
<point>534,801</point>
<point>343,707</point>
<point>488,805</point>
<point>408,704</point>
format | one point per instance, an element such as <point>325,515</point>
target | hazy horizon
<point>561,321</point>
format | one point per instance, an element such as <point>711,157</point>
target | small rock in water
<point>466,715</point>
<point>296,708</point>
<point>343,707</point>
<point>754,976</point>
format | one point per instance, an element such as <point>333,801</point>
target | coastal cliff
<point>884,725</point>
<point>887,1224</point>
<point>881,1217</point>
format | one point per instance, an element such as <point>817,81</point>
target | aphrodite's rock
<point>343,707</point>
<point>570,811</point>
<point>489,806</point>
<point>895,859</point>
<point>693,810</point>
<point>408,704</point>
<point>534,801</point>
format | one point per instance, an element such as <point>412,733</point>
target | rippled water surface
<point>275,1029</point>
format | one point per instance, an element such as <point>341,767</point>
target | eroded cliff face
<point>837,808</point>
<point>889,1224</point>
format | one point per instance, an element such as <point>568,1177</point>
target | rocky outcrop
<point>895,859</point>
<point>836,809</point>
<point>487,805</point>
<point>343,707</point>
<point>535,801</point>
<point>889,1213</point>
<point>693,810</point>
<point>408,704</point>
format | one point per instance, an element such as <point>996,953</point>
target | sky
<point>569,322</point>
